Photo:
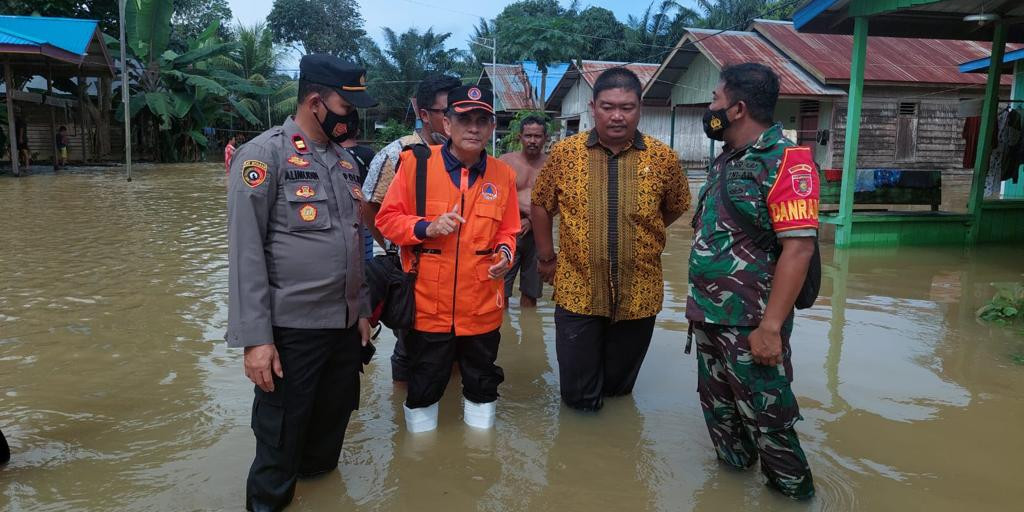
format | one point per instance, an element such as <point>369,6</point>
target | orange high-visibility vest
<point>453,288</point>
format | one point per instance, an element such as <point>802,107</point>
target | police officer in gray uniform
<point>297,299</point>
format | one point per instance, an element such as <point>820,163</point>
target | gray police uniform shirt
<point>294,240</point>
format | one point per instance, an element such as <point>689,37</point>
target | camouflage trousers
<point>750,409</point>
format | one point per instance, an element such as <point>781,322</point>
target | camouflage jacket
<point>774,183</point>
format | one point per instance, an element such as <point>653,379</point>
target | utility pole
<point>494,65</point>
<point>125,98</point>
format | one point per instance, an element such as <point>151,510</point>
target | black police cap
<point>345,77</point>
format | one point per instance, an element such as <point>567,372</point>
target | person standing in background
<point>533,133</point>
<point>363,155</point>
<point>229,151</point>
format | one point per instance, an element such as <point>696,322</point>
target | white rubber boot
<point>421,419</point>
<point>478,415</point>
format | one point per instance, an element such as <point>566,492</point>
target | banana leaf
<point>198,136</point>
<point>238,84</point>
<point>203,52</point>
<point>242,109</point>
<point>158,105</point>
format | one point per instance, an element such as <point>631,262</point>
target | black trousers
<point>430,366</point>
<point>300,426</point>
<point>598,357</point>
<point>400,357</point>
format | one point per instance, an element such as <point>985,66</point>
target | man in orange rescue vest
<point>464,246</point>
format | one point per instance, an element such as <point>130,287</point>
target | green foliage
<point>321,26</point>
<point>404,60</point>
<point>104,11</point>
<point>1007,306</point>
<point>546,32</point>
<point>391,131</point>
<point>537,30</point>
<point>192,17</point>
<point>510,142</point>
<point>179,92</point>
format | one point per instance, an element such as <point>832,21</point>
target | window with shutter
<point>906,132</point>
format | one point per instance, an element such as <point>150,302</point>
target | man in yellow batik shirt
<point>616,190</point>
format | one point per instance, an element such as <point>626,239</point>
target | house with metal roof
<point>912,97</point>
<point>1001,22</point>
<point>689,74</point>
<point>51,48</point>
<point>571,95</point>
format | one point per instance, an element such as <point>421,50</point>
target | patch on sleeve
<point>254,173</point>
<point>794,197</point>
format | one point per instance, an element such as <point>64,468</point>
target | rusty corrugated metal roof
<point>591,69</point>
<point>510,86</point>
<point>889,59</point>
<point>734,47</point>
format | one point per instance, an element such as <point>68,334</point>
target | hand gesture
<point>445,224</point>
<point>500,268</point>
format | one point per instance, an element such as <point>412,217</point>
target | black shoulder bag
<point>769,243</point>
<point>392,290</point>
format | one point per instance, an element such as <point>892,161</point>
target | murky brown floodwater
<point>116,392</point>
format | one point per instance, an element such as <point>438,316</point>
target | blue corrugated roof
<point>982,64</point>
<point>555,72</point>
<point>65,33</point>
<point>8,37</point>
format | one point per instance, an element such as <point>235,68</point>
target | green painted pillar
<point>844,229</point>
<point>988,124</point>
<point>1016,190</point>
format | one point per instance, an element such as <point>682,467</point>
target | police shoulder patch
<point>254,172</point>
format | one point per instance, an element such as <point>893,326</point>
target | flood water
<point>117,392</point>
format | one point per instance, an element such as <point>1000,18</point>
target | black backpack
<point>769,243</point>
<point>392,290</point>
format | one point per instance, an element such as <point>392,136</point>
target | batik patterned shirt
<point>611,230</point>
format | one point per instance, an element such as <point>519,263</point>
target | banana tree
<point>179,94</point>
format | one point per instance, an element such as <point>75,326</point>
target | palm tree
<point>405,60</point>
<point>256,59</point>
<point>652,33</point>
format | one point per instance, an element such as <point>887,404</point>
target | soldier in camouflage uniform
<point>740,303</point>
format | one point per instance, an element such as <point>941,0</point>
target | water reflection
<point>117,393</point>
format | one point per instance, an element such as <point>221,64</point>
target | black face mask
<point>336,126</point>
<point>715,123</point>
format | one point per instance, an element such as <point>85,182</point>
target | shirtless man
<point>533,133</point>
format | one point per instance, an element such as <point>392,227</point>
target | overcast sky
<point>455,16</point>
